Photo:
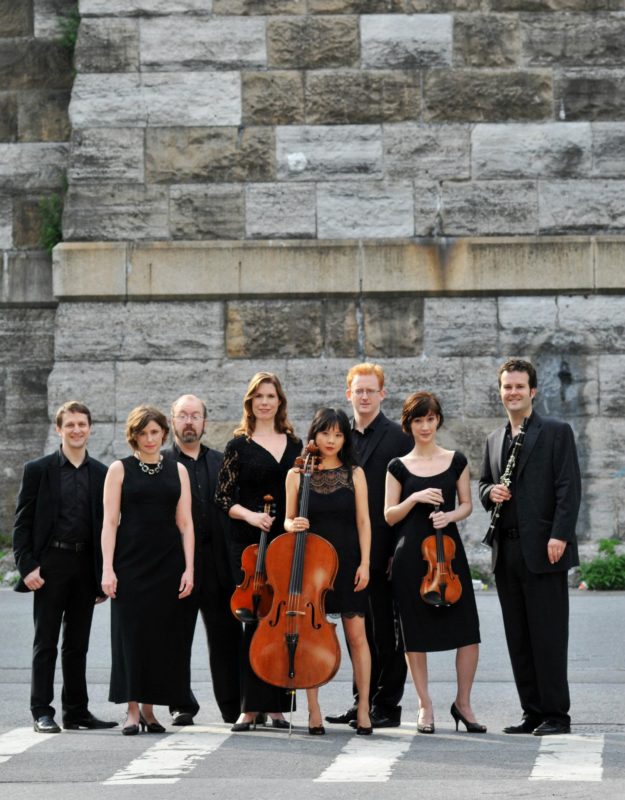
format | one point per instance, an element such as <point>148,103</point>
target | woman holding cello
<point>338,511</point>
<point>255,465</point>
<point>430,573</point>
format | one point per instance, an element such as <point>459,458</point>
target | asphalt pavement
<point>208,760</point>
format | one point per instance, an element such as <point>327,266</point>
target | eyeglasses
<point>189,417</point>
<point>365,392</point>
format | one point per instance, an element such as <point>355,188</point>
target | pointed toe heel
<point>472,727</point>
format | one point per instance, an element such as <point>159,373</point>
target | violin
<point>294,645</point>
<point>252,597</point>
<point>441,586</point>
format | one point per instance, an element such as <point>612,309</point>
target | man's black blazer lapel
<point>531,437</point>
<point>496,450</point>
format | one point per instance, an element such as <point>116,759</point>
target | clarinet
<point>506,479</point>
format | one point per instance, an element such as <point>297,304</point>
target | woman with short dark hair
<point>147,546</point>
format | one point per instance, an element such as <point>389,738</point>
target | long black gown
<point>332,514</point>
<point>249,472</point>
<point>426,628</point>
<point>149,562</point>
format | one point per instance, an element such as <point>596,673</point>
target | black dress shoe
<point>281,724</point>
<point>151,727</point>
<point>182,718</point>
<point>342,719</point>
<point>46,724</point>
<point>551,727</point>
<point>361,730</point>
<point>381,720</point>
<point>87,721</point>
<point>527,725</point>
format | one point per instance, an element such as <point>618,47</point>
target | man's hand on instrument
<point>499,493</point>
<point>555,550</point>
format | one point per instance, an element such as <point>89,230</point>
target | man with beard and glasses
<point>213,576</point>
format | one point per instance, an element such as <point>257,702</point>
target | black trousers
<point>388,662</point>
<point>223,633</point>
<point>535,612</point>
<point>66,599</point>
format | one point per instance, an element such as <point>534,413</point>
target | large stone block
<point>32,165</point>
<point>341,331</point>
<point>459,326</point>
<point>489,208</point>
<point>593,324</point>
<point>148,8</point>
<point>26,222</point>
<point>393,327</point>
<point>34,64</point>
<point>526,322</point>
<point>603,439</point>
<point>608,263</point>
<point>437,6</point>
<point>354,6</point>
<point>25,396</point>
<point>567,383</point>
<point>573,40</point>
<point>412,150</point>
<point>272,98</point>
<point>552,149</point>
<point>218,155</point>
<point>107,45</point>
<point>582,206</point>
<point>107,154</point>
<point>207,212</point>
<point>608,149</point>
<point>6,222</point>
<point>43,116</point>
<point>355,97</point>
<point>173,43</point>
<point>367,209</point>
<point>16,19</point>
<point>27,278</point>
<point>258,7</point>
<point>599,95</point>
<point>313,42</point>
<point>269,328</point>
<point>427,209</point>
<point>327,152</point>
<point>487,96</point>
<point>160,98</point>
<point>486,40</point>
<point>110,212</point>
<point>481,403</point>
<point>277,210</point>
<point>8,117</point>
<point>555,5</point>
<point>95,384</point>
<point>98,269</point>
<point>48,16</point>
<point>29,332</point>
<point>391,41</point>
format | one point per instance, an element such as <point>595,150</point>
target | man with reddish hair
<point>376,441</point>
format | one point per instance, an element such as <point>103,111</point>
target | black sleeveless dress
<point>332,514</point>
<point>148,562</point>
<point>424,627</point>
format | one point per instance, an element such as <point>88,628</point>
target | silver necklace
<point>147,468</point>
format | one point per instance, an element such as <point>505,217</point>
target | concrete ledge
<point>222,269</point>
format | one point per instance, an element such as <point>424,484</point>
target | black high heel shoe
<point>315,730</point>
<point>130,730</point>
<point>281,724</point>
<point>242,727</point>
<point>151,727</point>
<point>472,727</point>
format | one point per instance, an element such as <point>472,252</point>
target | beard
<point>189,436</point>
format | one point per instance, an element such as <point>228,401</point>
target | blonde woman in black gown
<point>421,490</point>
<point>255,464</point>
<point>147,548</point>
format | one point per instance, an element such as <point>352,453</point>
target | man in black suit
<point>377,440</point>
<point>56,542</point>
<point>534,547</point>
<point>214,583</point>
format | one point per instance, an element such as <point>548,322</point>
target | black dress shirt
<point>74,520</point>
<point>200,500</point>
<point>508,517</point>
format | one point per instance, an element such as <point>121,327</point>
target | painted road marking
<point>365,760</point>
<point>171,758</point>
<point>19,740</point>
<point>574,757</point>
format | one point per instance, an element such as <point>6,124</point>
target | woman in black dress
<point>148,567</point>
<point>428,477</point>
<point>338,510</point>
<point>255,464</point>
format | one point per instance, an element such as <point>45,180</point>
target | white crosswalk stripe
<point>575,757</point>
<point>19,740</point>
<point>365,760</point>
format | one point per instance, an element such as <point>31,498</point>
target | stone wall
<point>337,119</point>
<point>35,84</point>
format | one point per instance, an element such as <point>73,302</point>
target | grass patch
<point>606,571</point>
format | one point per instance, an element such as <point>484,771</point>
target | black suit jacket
<point>388,441</point>
<point>548,490</point>
<point>217,558</point>
<point>37,513</point>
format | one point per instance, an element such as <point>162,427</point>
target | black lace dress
<point>247,474</point>
<point>332,514</point>
<point>426,628</point>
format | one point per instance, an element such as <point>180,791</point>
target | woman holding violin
<point>430,573</point>
<point>338,511</point>
<point>255,465</point>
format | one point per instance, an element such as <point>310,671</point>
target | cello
<point>294,645</point>
<point>252,597</point>
<point>440,586</point>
